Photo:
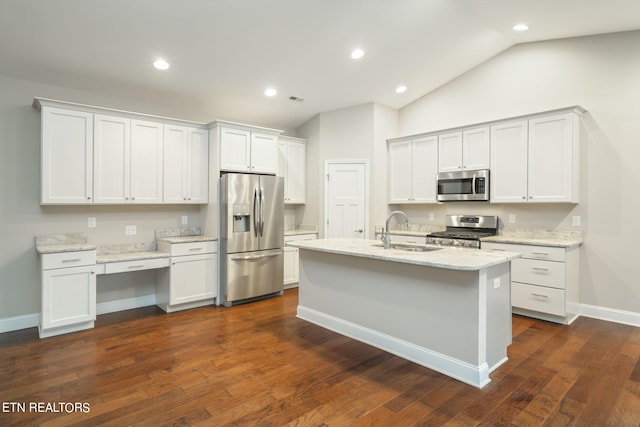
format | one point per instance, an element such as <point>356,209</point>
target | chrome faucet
<point>386,237</point>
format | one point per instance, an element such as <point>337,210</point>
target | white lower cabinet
<point>191,280</point>
<point>292,259</point>
<point>68,292</point>
<point>544,281</point>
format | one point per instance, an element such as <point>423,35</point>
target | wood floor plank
<point>258,364</point>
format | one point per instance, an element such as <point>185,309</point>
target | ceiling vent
<point>296,98</point>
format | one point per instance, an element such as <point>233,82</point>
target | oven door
<point>463,186</point>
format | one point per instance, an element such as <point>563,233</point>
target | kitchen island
<point>448,309</point>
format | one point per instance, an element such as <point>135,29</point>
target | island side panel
<point>498,317</point>
<point>434,308</point>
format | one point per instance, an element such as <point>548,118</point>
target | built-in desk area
<point>186,275</point>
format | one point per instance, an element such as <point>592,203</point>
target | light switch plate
<point>576,221</point>
<point>512,218</point>
<point>130,230</point>
<point>496,283</point>
<point>431,216</point>
<point>91,222</point>
<point>185,220</point>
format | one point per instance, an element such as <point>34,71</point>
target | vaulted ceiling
<point>224,54</point>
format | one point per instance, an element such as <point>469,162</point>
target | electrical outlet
<point>91,222</point>
<point>576,221</point>
<point>512,218</point>
<point>185,220</point>
<point>130,230</point>
<point>496,283</point>
<point>432,217</point>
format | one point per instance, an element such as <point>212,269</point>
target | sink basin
<point>409,247</point>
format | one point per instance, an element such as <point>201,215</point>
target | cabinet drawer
<point>311,236</point>
<point>142,264</point>
<point>538,298</point>
<point>545,273</point>
<point>195,248</point>
<point>68,259</point>
<point>529,251</point>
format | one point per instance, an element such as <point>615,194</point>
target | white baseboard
<point>610,314</point>
<point>477,376</point>
<point>125,304</point>
<point>31,320</point>
<point>19,322</point>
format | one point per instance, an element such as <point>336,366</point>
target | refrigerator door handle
<point>256,210</point>
<point>261,212</point>
<point>252,257</point>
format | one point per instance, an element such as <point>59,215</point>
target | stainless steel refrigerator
<point>252,237</point>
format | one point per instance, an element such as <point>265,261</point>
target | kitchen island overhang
<point>448,310</point>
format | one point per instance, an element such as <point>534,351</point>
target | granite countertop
<point>65,247</point>
<point>443,257</point>
<point>301,229</point>
<point>186,239</point>
<point>414,230</point>
<point>551,238</point>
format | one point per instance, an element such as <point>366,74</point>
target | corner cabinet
<point>291,268</point>
<point>68,292</point>
<point>536,160</point>
<point>191,280</point>
<point>66,157</point>
<point>413,164</point>
<point>246,149</point>
<point>292,161</point>
<point>544,281</point>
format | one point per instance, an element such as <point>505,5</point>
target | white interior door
<point>346,199</point>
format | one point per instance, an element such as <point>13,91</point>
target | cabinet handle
<point>539,268</point>
<point>540,295</point>
<point>88,197</point>
<point>540,253</point>
<point>71,260</point>
<point>196,249</point>
<point>136,266</point>
<point>496,249</point>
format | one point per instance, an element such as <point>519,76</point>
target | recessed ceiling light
<point>270,92</point>
<point>357,54</point>
<point>401,89</point>
<point>520,27</point>
<point>161,64</point>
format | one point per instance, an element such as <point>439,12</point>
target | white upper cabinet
<point>186,171</point>
<point>127,160</point>
<point>292,167</point>
<point>554,159</point>
<point>67,156</point>
<point>413,165</point>
<point>450,152</point>
<point>536,160</point>
<point>248,151</point>
<point>508,179</point>
<point>465,150</point>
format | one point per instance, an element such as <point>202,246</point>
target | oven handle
<point>473,184</point>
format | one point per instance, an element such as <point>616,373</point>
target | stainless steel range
<point>465,231</point>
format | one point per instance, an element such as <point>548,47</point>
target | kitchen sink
<point>409,247</point>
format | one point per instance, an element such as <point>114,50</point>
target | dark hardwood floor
<point>258,365</point>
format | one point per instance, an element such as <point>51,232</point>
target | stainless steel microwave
<point>463,186</point>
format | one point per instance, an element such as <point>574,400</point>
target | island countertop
<point>443,257</point>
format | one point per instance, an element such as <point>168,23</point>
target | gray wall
<point>600,73</point>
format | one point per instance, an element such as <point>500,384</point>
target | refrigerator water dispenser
<point>241,217</point>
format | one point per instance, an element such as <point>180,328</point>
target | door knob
<point>359,231</point>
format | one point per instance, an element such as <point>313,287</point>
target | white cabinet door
<point>295,178</point>
<point>67,157</point>
<point>424,169</point>
<point>476,148</point>
<point>235,150</point>
<point>282,164</point>
<point>264,153</point>
<point>112,141</point>
<point>509,162</point>
<point>291,265</point>
<point>551,154</point>
<point>193,278</point>
<point>68,296</point>
<point>400,175</point>
<point>198,167</point>
<point>146,161</point>
<point>186,165</point>
<point>450,152</point>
